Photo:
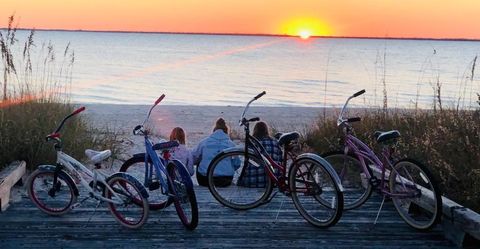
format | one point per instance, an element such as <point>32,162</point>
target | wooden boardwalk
<point>24,226</point>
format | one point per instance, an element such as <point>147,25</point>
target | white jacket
<point>184,155</point>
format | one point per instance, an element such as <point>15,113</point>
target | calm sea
<point>135,68</point>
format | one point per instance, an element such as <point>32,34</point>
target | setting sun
<point>305,28</point>
<point>305,34</point>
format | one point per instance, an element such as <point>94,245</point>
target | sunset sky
<point>367,18</point>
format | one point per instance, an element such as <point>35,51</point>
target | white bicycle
<point>53,188</point>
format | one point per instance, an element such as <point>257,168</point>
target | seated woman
<point>181,152</point>
<point>207,149</point>
<point>256,176</point>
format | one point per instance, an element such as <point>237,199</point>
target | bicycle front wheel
<point>185,200</point>
<point>315,193</point>
<point>415,194</point>
<point>126,202</point>
<point>351,175</point>
<point>235,191</point>
<point>53,198</point>
<point>135,166</point>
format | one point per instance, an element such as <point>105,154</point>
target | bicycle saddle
<point>97,156</point>
<point>287,137</point>
<point>383,136</point>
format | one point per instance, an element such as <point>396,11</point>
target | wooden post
<point>8,178</point>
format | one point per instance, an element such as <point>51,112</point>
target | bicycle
<point>170,175</point>
<point>53,188</point>
<point>312,183</point>
<point>408,183</point>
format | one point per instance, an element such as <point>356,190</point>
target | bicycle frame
<point>78,170</point>
<point>366,155</point>
<point>252,143</point>
<point>156,164</point>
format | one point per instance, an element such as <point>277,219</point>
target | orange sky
<point>370,18</point>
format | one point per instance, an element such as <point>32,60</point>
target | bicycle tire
<point>134,209</point>
<point>310,178</point>
<point>135,166</point>
<point>237,195</point>
<point>428,209</point>
<point>51,200</point>
<point>355,194</point>
<point>181,183</point>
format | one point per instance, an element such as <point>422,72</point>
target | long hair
<point>220,125</point>
<point>260,130</point>
<point>178,134</point>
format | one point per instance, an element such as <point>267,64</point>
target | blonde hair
<point>220,125</point>
<point>178,134</point>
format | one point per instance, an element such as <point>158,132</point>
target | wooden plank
<point>462,218</point>
<point>8,178</point>
<point>23,225</point>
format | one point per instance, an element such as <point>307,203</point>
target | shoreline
<point>197,121</point>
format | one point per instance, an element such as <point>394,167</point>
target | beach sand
<point>197,121</point>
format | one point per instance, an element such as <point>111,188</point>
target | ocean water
<point>135,68</point>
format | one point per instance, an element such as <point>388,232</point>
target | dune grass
<point>446,140</point>
<point>35,98</point>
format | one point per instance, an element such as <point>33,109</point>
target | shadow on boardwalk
<point>23,225</point>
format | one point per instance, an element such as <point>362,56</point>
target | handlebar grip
<point>359,93</point>
<point>159,99</point>
<point>260,95</point>
<point>356,119</point>
<point>254,119</point>
<point>79,110</point>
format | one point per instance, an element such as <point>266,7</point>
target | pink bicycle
<point>407,182</point>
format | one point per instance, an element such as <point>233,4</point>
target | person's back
<point>256,176</point>
<point>207,149</point>
<point>181,152</point>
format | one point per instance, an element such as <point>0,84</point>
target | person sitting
<point>181,152</point>
<point>207,149</point>
<point>256,176</point>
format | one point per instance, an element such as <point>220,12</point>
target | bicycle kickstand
<point>379,210</point>
<point>94,211</point>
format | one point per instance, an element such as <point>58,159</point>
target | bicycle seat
<point>165,145</point>
<point>382,136</point>
<point>288,137</point>
<point>97,156</point>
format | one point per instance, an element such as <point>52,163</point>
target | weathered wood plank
<point>9,177</point>
<point>456,219</point>
<point>25,226</point>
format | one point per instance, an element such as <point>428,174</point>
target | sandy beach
<point>197,121</point>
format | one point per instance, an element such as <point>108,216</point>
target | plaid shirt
<point>256,176</point>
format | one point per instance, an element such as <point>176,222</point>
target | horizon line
<point>252,34</point>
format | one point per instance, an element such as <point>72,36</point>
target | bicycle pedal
<point>154,186</point>
<point>75,205</point>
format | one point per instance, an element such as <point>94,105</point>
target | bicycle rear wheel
<point>315,193</point>
<point>415,194</point>
<point>351,174</point>
<point>185,200</point>
<point>135,166</point>
<point>52,198</point>
<point>237,194</point>
<point>128,200</point>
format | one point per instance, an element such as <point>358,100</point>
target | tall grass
<point>446,139</point>
<point>35,98</point>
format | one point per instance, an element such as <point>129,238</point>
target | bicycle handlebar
<point>153,106</point>
<point>358,93</point>
<point>340,117</point>
<point>260,95</point>
<point>79,110</point>
<point>159,99</point>
<point>242,118</point>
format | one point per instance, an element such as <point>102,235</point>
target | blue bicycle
<point>164,173</point>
